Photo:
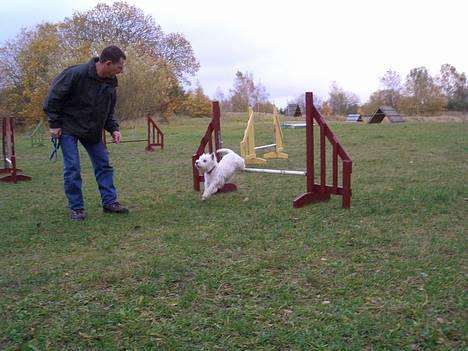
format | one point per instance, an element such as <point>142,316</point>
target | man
<point>79,105</point>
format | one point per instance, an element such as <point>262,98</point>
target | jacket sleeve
<point>58,92</point>
<point>111,124</point>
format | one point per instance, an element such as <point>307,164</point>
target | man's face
<point>112,69</point>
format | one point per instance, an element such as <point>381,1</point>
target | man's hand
<point>116,137</point>
<point>55,132</point>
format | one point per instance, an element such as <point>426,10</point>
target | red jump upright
<point>316,192</point>
<point>8,153</point>
<point>155,137</point>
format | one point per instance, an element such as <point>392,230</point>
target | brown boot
<point>114,207</point>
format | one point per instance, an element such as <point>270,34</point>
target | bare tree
<point>342,102</point>
<point>242,92</point>
<point>455,87</point>
<point>391,88</point>
<point>246,93</point>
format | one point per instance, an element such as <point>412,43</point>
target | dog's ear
<point>213,156</point>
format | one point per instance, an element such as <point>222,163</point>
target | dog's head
<point>206,162</point>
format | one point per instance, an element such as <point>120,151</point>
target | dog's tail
<point>224,151</point>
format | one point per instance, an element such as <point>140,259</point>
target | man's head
<point>111,62</point>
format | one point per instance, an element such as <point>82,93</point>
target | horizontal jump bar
<point>131,141</point>
<point>264,146</point>
<point>275,171</point>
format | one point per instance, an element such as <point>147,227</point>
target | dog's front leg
<point>211,187</point>
<point>209,190</point>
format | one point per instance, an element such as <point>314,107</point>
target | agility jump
<point>8,153</point>
<point>37,136</point>
<point>155,136</point>
<point>315,192</point>
<point>248,148</point>
<point>212,140</point>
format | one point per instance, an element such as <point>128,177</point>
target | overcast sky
<point>292,46</point>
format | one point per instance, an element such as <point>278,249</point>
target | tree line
<point>420,94</point>
<point>160,64</point>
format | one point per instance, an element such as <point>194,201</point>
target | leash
<point>56,144</point>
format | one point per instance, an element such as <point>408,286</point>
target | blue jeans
<point>103,171</point>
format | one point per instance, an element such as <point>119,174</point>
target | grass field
<point>245,270</point>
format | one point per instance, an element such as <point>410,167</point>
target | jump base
<point>309,198</point>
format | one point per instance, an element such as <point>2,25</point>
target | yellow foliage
<point>197,104</point>
<point>35,63</point>
<point>325,109</point>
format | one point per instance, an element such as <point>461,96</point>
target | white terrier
<point>217,174</point>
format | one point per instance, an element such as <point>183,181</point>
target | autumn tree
<point>260,101</point>
<point>342,102</point>
<point>422,95</point>
<point>10,75</point>
<point>391,88</point>
<point>388,95</point>
<point>454,86</point>
<point>27,66</point>
<point>246,93</point>
<point>377,99</point>
<point>146,86</point>
<point>126,25</point>
<point>197,103</point>
<point>242,91</point>
<point>158,63</point>
<point>36,62</point>
<point>325,109</point>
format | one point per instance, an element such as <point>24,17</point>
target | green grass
<point>245,270</point>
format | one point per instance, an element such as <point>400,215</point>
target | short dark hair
<point>111,53</point>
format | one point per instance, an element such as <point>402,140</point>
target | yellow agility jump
<point>247,145</point>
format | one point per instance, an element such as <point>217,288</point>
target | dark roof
<point>385,111</point>
<point>293,110</point>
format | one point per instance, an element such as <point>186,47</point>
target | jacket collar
<point>93,74</point>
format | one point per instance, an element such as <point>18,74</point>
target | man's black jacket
<point>81,103</point>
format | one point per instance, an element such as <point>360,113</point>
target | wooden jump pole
<point>275,171</point>
<point>247,145</point>
<point>279,146</point>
